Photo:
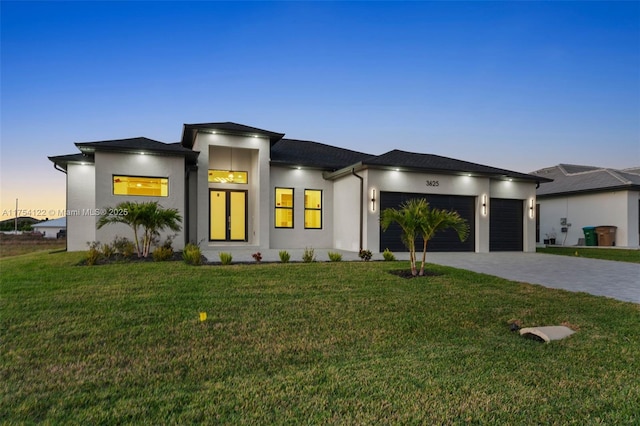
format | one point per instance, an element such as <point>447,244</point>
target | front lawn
<point>621,255</point>
<point>346,343</point>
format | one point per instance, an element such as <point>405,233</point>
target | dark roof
<point>135,144</point>
<point>292,152</point>
<point>437,163</point>
<point>63,160</point>
<point>571,179</point>
<point>190,130</point>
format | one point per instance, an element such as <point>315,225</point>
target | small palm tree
<point>435,220</point>
<point>417,218</point>
<point>408,218</point>
<point>149,216</point>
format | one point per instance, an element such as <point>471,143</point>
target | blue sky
<point>516,85</point>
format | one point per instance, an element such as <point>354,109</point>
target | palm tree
<point>408,217</point>
<point>435,220</point>
<point>149,216</point>
<point>415,217</point>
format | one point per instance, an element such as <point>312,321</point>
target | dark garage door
<point>505,225</point>
<point>443,241</point>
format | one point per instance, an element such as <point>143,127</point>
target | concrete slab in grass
<point>547,334</point>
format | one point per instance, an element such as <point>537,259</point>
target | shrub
<point>284,256</point>
<point>192,255</point>
<point>365,255</point>
<point>123,246</point>
<point>162,253</point>
<point>93,255</point>
<point>225,258</point>
<point>257,256</point>
<point>107,250</point>
<point>335,257</point>
<point>388,256</point>
<point>309,255</point>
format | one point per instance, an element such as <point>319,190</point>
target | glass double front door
<point>227,215</point>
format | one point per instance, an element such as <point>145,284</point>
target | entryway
<point>228,215</point>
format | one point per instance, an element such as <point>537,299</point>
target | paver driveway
<point>618,280</point>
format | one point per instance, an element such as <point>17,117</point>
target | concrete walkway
<point>618,280</point>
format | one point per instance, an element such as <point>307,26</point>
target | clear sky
<point>516,85</point>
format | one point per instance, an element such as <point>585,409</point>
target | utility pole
<point>15,227</point>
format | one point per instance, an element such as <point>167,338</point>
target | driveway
<point>618,280</point>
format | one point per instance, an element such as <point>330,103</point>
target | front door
<point>228,215</point>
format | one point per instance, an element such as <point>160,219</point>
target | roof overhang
<point>190,131</point>
<point>516,177</point>
<point>62,161</point>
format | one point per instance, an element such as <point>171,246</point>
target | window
<point>312,209</point>
<point>284,207</point>
<point>227,176</point>
<point>141,185</point>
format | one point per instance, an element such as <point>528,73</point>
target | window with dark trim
<point>145,186</point>
<point>284,208</point>
<point>313,209</point>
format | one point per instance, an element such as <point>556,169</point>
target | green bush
<point>124,246</point>
<point>284,256</point>
<point>162,253</point>
<point>388,256</point>
<point>225,258</point>
<point>335,257</point>
<point>93,255</point>
<point>309,255</point>
<point>107,250</point>
<point>192,255</point>
<point>365,255</point>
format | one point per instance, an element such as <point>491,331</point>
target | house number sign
<point>433,183</point>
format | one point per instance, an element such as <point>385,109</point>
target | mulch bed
<point>406,273</point>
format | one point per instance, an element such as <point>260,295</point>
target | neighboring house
<point>582,196</point>
<point>51,228</point>
<point>239,186</point>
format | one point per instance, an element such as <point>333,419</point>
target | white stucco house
<point>51,228</point>
<point>583,196</point>
<point>243,187</point>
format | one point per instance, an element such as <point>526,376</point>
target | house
<point>237,186</point>
<point>583,196</point>
<point>51,228</point>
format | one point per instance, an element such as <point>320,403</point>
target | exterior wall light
<point>531,210</point>
<point>373,200</point>
<point>484,205</point>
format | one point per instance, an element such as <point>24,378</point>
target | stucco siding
<point>81,202</point>
<point>109,164</point>
<point>616,208</point>
<point>346,211</point>
<point>298,236</point>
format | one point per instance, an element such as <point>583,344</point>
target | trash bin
<point>590,236</point>
<point>606,235</point>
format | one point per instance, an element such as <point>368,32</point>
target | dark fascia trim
<point>61,161</point>
<point>590,191</point>
<point>360,166</point>
<point>90,148</point>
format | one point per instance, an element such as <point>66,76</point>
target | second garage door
<point>443,241</point>
<point>505,225</point>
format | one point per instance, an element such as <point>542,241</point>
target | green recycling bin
<point>590,236</point>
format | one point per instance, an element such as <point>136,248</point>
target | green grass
<point>322,342</point>
<point>621,255</point>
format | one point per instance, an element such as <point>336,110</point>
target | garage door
<point>505,225</point>
<point>443,241</point>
